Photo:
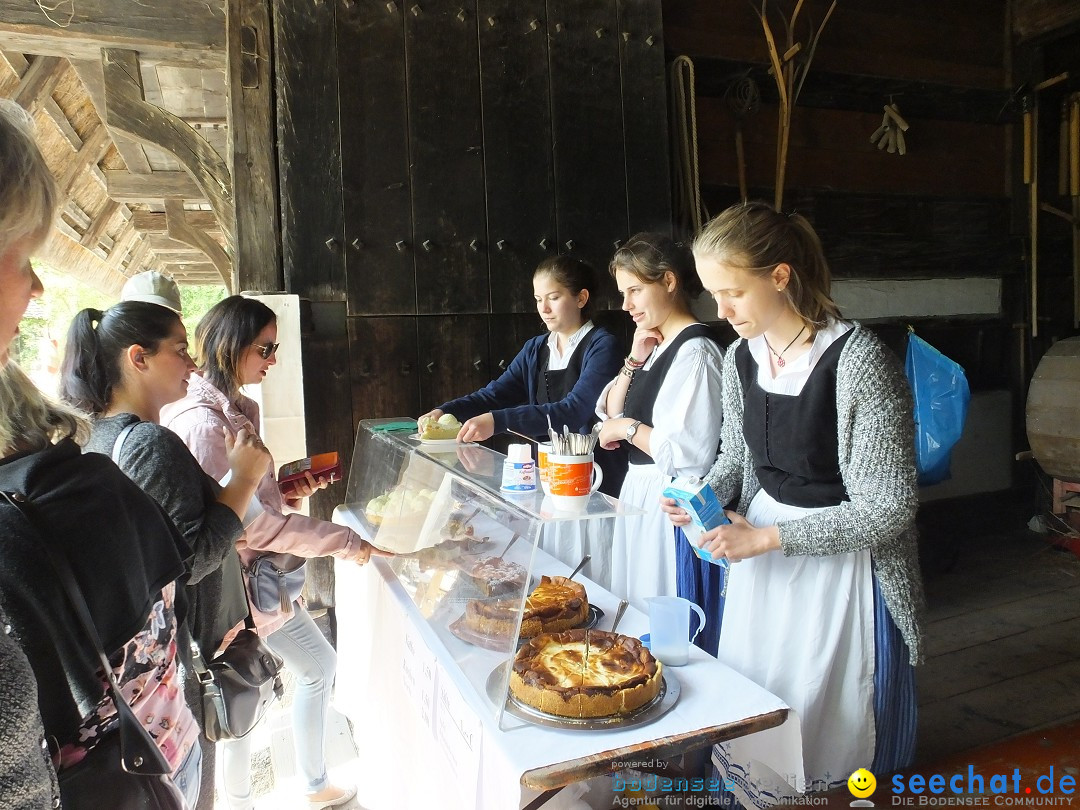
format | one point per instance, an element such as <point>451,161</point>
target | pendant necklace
<point>780,362</point>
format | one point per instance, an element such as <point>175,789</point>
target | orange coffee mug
<point>570,480</point>
<point>543,450</point>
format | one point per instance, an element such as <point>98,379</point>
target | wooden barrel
<point>1053,411</point>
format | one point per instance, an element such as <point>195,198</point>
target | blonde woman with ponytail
<point>817,466</point>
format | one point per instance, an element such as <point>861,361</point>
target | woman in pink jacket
<point>236,344</point>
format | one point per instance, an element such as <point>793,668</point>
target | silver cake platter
<point>660,705</point>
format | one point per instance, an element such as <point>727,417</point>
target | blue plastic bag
<point>941,394</point>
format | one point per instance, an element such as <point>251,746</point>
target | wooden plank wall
<point>941,210</point>
<point>430,155</point>
<point>478,138</point>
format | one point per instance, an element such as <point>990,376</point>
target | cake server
<point>623,605</point>
<point>580,565</point>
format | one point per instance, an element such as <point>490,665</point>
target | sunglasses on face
<point>267,350</point>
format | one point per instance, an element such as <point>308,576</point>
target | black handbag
<point>125,770</point>
<point>238,685</point>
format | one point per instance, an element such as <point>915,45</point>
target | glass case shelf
<point>464,550</point>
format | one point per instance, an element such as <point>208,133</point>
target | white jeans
<point>311,659</point>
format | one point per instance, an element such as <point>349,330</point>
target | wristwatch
<point>632,430</point>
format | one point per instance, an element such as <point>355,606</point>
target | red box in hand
<point>324,465</point>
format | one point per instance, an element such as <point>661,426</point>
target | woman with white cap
<point>153,287</point>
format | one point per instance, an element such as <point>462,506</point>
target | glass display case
<point>464,549</point>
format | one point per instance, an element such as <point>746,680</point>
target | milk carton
<point>697,498</point>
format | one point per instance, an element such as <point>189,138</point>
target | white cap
<point>153,287</point>
<point>519,453</point>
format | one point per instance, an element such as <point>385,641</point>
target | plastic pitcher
<point>669,628</point>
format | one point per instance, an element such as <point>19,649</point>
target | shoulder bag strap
<point>139,753</point>
<point>118,445</point>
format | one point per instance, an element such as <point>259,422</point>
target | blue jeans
<point>189,775</point>
<point>311,659</point>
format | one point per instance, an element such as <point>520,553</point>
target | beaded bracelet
<point>627,372</point>
<point>632,363</point>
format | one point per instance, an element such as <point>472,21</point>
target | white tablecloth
<point>400,748</point>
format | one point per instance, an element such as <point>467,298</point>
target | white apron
<point>643,547</point>
<point>803,628</point>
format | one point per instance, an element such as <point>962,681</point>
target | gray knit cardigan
<point>877,462</point>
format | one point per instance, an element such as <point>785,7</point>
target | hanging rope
<point>55,7</point>
<point>689,213</point>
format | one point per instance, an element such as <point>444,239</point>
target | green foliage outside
<point>40,343</point>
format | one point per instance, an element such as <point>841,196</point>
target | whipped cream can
<point>519,470</point>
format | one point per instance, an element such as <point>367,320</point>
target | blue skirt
<point>704,584</point>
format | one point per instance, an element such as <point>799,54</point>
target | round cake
<point>556,604</point>
<point>585,673</point>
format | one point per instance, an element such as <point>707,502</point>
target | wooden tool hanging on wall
<point>1074,192</point>
<point>890,135</point>
<point>1031,124</point>
<point>789,70</point>
<point>743,98</point>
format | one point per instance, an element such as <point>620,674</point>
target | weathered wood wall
<point>429,156</point>
<point>941,210</point>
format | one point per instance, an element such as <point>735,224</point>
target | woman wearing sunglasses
<point>236,344</point>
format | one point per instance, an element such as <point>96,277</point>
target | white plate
<point>437,442</point>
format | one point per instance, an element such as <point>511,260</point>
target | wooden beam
<point>100,224</point>
<point>89,73</point>
<point>72,258</point>
<point>180,229</point>
<point>180,256</point>
<point>67,230</point>
<point>193,273</point>
<point>128,112</point>
<point>130,187</point>
<point>71,209</point>
<point>38,81</point>
<point>1034,18</point>
<point>122,247</point>
<point>152,222</point>
<point>136,263</point>
<point>164,242</point>
<point>254,148</point>
<point>183,32</point>
<point>90,154</point>
<point>18,64</point>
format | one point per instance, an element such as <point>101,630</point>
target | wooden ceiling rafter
<point>189,33</point>
<point>154,222</point>
<point>19,64</point>
<point>37,83</point>
<point>37,79</point>
<point>122,247</point>
<point>152,187</point>
<point>100,224</point>
<point>135,262</point>
<point>181,230</point>
<point>63,252</point>
<point>128,112</point>
<point>90,74</point>
<point>93,149</point>
<point>162,242</point>
<point>105,52</point>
